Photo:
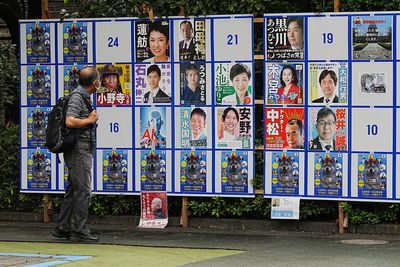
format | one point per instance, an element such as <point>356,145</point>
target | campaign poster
<point>328,128</point>
<point>36,126</point>
<point>152,41</point>
<point>38,42</point>
<point>154,210</point>
<point>372,176</point>
<point>373,83</point>
<point>328,174</point>
<point>39,169</point>
<point>233,84</point>
<point>75,42</point>
<point>152,84</point>
<point>116,85</point>
<point>115,170</point>
<point>234,171</point>
<point>194,127</point>
<point>193,84</point>
<point>285,83</point>
<point>328,82</point>
<point>193,171</point>
<point>153,127</point>
<point>192,39</point>
<point>38,85</point>
<point>285,173</point>
<point>71,78</point>
<point>284,128</point>
<point>372,37</point>
<point>284,38</point>
<point>234,127</point>
<point>153,170</point>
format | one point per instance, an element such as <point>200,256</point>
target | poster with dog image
<point>153,170</point>
<point>234,171</point>
<point>38,85</point>
<point>193,171</point>
<point>328,174</point>
<point>75,42</point>
<point>115,170</point>
<point>36,126</point>
<point>70,78</point>
<point>154,210</point>
<point>38,41</point>
<point>372,175</point>
<point>285,173</point>
<point>39,169</point>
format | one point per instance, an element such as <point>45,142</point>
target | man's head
<point>192,76</point>
<point>197,121</point>
<point>154,120</point>
<point>326,124</point>
<point>89,78</point>
<point>294,131</point>
<point>154,76</point>
<point>156,204</point>
<point>328,82</point>
<point>186,30</point>
<point>295,32</point>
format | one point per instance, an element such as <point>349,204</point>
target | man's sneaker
<point>84,237</point>
<point>59,232</point>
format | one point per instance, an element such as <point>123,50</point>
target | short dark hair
<point>226,112</point>
<point>324,112</point>
<point>325,73</point>
<point>299,124</point>
<point>186,22</point>
<point>157,26</point>
<point>298,20</point>
<point>199,112</point>
<point>239,68</point>
<point>295,79</point>
<point>87,76</point>
<point>154,68</point>
<point>192,67</point>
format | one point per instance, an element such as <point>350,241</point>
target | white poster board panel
<point>233,39</point>
<point>113,41</point>
<point>372,83</point>
<point>371,129</point>
<point>328,38</point>
<point>114,127</point>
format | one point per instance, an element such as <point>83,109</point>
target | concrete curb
<point>127,223</point>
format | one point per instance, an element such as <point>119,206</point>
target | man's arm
<point>72,122</point>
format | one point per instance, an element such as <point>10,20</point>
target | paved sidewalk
<point>261,248</point>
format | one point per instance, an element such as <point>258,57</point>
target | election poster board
<point>331,106</point>
<point>176,102</point>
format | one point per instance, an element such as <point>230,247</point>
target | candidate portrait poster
<point>284,38</point>
<point>284,128</point>
<point>116,85</point>
<point>191,44</point>
<point>154,210</point>
<point>234,127</point>
<point>193,84</point>
<point>285,83</point>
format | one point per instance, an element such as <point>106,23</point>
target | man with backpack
<point>81,118</point>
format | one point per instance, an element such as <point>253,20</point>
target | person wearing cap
<point>110,79</point>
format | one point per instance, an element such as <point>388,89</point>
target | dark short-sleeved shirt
<point>191,98</point>
<point>78,109</point>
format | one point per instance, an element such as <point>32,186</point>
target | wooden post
<point>47,208</point>
<point>45,9</point>
<point>342,216</point>
<point>184,213</point>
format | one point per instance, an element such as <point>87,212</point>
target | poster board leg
<point>341,219</point>
<point>184,213</point>
<point>47,208</point>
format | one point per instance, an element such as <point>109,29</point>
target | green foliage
<point>318,210</point>
<point>9,83</point>
<point>368,213</point>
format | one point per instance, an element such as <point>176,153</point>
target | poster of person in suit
<point>192,40</point>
